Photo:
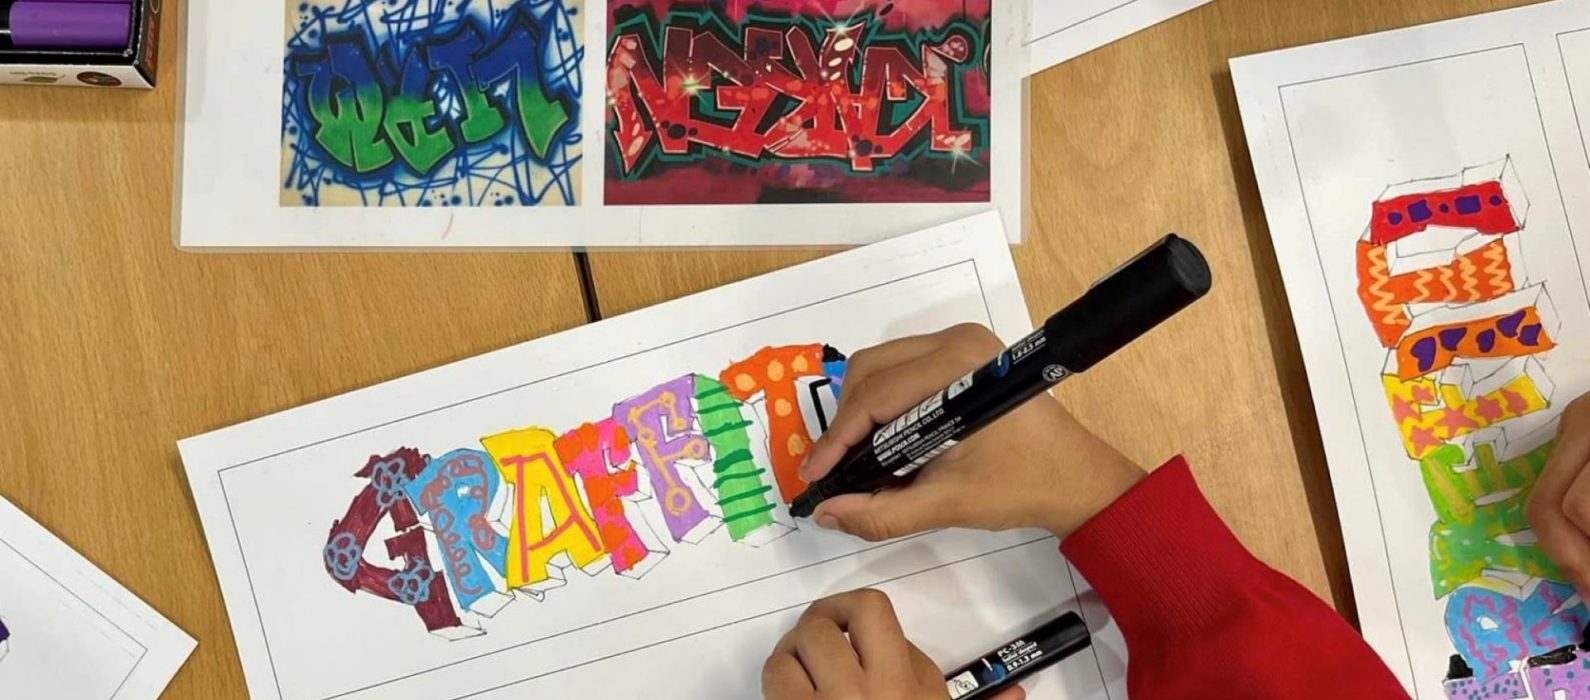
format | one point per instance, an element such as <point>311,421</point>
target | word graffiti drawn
<point>788,103</point>
<point>687,458</point>
<point>423,103</point>
<point>1443,285</point>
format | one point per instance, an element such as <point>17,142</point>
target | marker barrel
<point>1008,665</point>
<point>910,442</point>
<point>1131,301</point>
<point>69,25</point>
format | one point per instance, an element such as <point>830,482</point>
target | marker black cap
<point>1120,308</point>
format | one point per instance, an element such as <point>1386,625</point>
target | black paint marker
<point>1131,301</point>
<point>1009,664</point>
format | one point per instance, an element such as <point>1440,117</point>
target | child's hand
<point>851,647</point>
<point>1037,467</point>
<point>1559,509</point>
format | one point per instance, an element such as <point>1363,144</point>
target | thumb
<point>1014,692</point>
<point>884,515</point>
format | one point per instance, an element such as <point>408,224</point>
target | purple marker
<point>30,24</point>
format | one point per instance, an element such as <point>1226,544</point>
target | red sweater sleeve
<point>1202,617</point>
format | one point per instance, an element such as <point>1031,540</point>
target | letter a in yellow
<point>529,461</point>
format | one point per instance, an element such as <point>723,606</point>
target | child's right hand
<point>1559,509</point>
<point>1035,468</point>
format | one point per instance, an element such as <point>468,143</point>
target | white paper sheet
<point>700,619</point>
<point>1466,135</point>
<point>255,169</point>
<point>68,631</point>
<point>1065,29</point>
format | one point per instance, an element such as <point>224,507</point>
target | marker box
<point>79,43</point>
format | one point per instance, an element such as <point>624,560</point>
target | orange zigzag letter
<point>1482,274</point>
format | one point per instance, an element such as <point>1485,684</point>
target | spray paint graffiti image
<point>432,103</point>
<point>5,639</point>
<point>1442,282</point>
<point>688,459</point>
<point>797,101</point>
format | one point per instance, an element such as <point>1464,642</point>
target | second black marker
<point>1143,293</point>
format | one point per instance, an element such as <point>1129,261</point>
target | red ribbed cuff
<point>1161,559</point>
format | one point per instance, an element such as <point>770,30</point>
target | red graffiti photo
<point>798,101</point>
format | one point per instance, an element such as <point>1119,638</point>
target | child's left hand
<point>851,647</point>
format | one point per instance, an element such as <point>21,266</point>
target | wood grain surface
<point>113,344</point>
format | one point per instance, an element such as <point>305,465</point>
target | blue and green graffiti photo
<point>432,103</point>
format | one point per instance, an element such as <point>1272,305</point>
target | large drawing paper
<point>1065,29</point>
<point>602,513</point>
<point>69,631</point>
<point>1428,193</point>
<point>529,123</point>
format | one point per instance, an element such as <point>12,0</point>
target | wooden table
<point>113,344</point>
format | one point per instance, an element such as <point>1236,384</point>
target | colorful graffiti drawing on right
<point>1443,284</point>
